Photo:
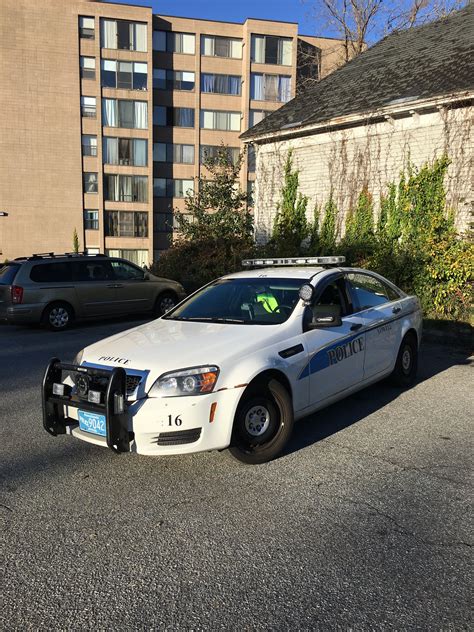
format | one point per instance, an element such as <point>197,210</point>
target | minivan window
<point>367,291</point>
<point>8,273</point>
<point>51,273</point>
<point>92,271</point>
<point>125,271</point>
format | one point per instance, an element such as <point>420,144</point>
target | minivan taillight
<point>17,294</point>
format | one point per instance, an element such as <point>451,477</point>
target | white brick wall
<point>371,155</point>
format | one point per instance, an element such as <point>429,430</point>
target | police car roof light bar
<point>293,261</point>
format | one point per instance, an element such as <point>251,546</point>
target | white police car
<point>235,363</point>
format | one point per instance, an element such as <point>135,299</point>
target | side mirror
<point>146,276</point>
<point>325,316</point>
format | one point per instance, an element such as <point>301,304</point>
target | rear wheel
<point>58,316</point>
<point>263,423</point>
<point>164,303</point>
<point>406,366</point>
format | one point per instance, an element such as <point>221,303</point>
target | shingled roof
<point>419,63</point>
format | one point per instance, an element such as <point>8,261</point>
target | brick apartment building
<point>108,110</point>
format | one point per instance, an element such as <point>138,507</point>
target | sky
<point>237,10</point>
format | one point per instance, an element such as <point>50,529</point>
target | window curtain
<point>207,82</point>
<point>125,114</point>
<point>207,119</point>
<point>109,112</point>
<point>109,34</point>
<point>140,189</point>
<point>141,115</point>
<point>284,89</point>
<point>258,49</point>
<point>284,52</point>
<point>235,84</point>
<point>184,117</point>
<point>271,87</point>
<point>222,47</point>
<point>188,154</point>
<point>139,37</point>
<point>207,45</point>
<point>257,91</point>
<point>188,44</point>
<point>125,189</point>
<point>111,151</point>
<point>234,121</point>
<point>112,224</point>
<point>140,152</point>
<point>236,49</point>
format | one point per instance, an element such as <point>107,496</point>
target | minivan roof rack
<point>54,255</point>
<point>293,261</point>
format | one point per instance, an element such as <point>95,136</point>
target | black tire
<point>267,404</point>
<point>165,302</point>
<point>58,316</point>
<point>406,366</point>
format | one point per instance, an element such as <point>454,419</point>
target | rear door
<point>135,291</point>
<point>378,305</point>
<point>336,353</point>
<point>95,286</point>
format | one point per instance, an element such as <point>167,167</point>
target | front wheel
<point>263,423</point>
<point>406,366</point>
<point>164,303</point>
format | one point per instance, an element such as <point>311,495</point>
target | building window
<point>138,257</point>
<point>125,35</point>
<point>91,220</point>
<point>214,46</point>
<point>89,145</point>
<point>267,49</point>
<point>177,153</point>
<point>87,67</point>
<point>88,107</point>
<point>173,117</point>
<point>257,115</point>
<point>170,42</point>
<point>126,75</point>
<point>173,79</point>
<point>212,152</point>
<point>126,224</point>
<point>168,187</point>
<point>225,121</point>
<point>221,84</point>
<point>270,87</point>
<point>86,27</point>
<point>250,192</point>
<point>125,151</point>
<point>251,157</point>
<point>125,113</point>
<point>121,188</point>
<point>91,182</point>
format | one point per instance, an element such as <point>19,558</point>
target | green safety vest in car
<point>268,301</point>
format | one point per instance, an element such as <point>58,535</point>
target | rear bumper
<point>23,314</point>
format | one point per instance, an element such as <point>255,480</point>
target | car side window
<point>367,291</point>
<point>51,273</point>
<point>93,271</point>
<point>126,272</point>
<point>334,294</point>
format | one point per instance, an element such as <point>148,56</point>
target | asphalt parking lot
<point>364,523</point>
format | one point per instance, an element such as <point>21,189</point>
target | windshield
<point>252,301</point>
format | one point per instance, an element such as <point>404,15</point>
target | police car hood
<point>167,345</point>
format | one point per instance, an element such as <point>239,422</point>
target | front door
<point>95,283</point>
<point>336,353</point>
<point>135,292</point>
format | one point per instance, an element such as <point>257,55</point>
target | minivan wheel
<point>58,316</point>
<point>164,303</point>
<point>263,423</point>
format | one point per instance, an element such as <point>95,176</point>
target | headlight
<point>198,380</point>
<point>78,358</point>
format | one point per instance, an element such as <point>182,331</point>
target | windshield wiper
<point>214,319</point>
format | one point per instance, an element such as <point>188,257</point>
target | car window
<point>125,271</point>
<point>392,294</point>
<point>367,291</point>
<point>8,273</point>
<point>51,273</point>
<point>253,301</point>
<point>333,294</point>
<point>92,271</point>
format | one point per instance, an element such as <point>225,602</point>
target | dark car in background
<point>55,289</point>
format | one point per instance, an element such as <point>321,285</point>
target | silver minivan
<point>55,290</point>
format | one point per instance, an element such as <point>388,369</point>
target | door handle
<point>356,326</point>
<point>111,286</point>
<point>115,285</point>
<point>396,309</point>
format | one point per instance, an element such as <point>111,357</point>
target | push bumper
<point>59,399</point>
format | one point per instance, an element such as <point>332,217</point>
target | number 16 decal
<point>177,421</point>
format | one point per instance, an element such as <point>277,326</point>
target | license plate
<point>92,422</point>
